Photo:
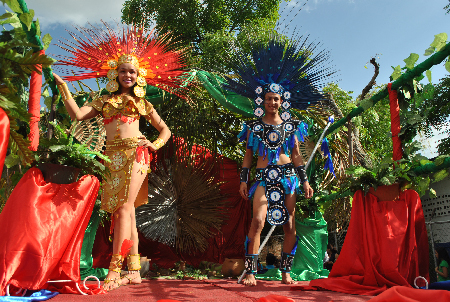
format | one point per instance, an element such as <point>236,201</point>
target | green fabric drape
<point>312,245</point>
<point>228,99</point>
<point>86,250</point>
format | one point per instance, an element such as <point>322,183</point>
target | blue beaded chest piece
<point>272,140</point>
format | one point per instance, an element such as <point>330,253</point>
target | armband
<point>301,172</point>
<point>159,142</point>
<point>244,174</point>
<point>64,91</point>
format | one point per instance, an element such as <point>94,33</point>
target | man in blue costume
<point>279,76</point>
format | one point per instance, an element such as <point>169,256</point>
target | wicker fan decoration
<point>90,132</point>
<point>183,208</point>
<point>306,148</point>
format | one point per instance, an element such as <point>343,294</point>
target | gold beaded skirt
<point>122,153</point>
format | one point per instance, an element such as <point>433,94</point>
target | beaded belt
<point>275,173</point>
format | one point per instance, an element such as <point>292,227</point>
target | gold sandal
<point>115,266</point>
<point>134,267</point>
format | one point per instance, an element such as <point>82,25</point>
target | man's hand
<point>308,190</point>
<point>243,190</point>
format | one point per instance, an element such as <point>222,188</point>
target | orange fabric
<point>41,228</point>
<point>34,106</point>
<point>406,294</point>
<point>395,123</point>
<point>4,137</point>
<point>386,245</point>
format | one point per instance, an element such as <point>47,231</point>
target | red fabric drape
<point>395,123</point>
<point>4,137</point>
<point>228,243</point>
<point>41,228</point>
<point>34,106</point>
<point>386,245</point>
<point>405,294</point>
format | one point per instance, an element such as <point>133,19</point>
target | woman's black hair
<point>442,255</point>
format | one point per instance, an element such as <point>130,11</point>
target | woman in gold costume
<point>130,63</point>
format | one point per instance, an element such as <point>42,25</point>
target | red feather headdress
<point>159,60</point>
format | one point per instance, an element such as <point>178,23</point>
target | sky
<point>353,31</point>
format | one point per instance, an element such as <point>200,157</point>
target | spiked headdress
<point>287,68</point>
<point>158,60</point>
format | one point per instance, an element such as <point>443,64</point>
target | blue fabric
<point>439,285</point>
<point>41,295</point>
<point>290,185</point>
<point>326,152</point>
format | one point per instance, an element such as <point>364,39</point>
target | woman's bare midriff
<point>263,162</point>
<point>126,130</point>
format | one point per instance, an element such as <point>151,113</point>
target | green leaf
<point>440,159</point>
<point>45,93</point>
<point>13,20</point>
<point>38,28</point>
<point>46,40</point>
<point>7,15</point>
<point>48,102</point>
<point>12,160</point>
<point>27,19</point>
<point>411,60</point>
<point>447,66</point>
<point>441,175</point>
<point>385,181</point>
<point>14,5</point>
<point>428,73</point>
<point>432,193</point>
<point>397,73</point>
<point>425,161</point>
<point>439,41</point>
<point>429,51</point>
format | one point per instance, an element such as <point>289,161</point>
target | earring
<point>112,85</point>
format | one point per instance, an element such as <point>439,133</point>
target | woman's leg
<point>138,174</point>
<point>125,224</point>
<point>254,235</point>
<point>289,233</point>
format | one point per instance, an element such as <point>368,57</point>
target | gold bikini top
<point>125,105</point>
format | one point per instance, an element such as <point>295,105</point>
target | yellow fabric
<point>122,153</point>
<point>113,105</point>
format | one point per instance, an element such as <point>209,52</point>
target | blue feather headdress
<point>288,68</point>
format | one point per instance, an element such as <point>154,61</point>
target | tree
<point>440,113</point>
<point>192,20</point>
<point>373,124</point>
<point>209,27</point>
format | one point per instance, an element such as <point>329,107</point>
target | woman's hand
<point>243,190</point>
<point>437,270</point>
<point>58,80</point>
<point>147,144</point>
<point>308,190</point>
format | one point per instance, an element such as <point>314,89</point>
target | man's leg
<point>258,220</point>
<point>290,240</point>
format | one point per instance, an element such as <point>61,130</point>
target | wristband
<point>159,142</point>
<point>301,172</point>
<point>64,91</point>
<point>244,174</point>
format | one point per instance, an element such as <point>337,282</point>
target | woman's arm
<point>79,114</point>
<point>444,272</point>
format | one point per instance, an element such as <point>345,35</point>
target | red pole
<point>397,153</point>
